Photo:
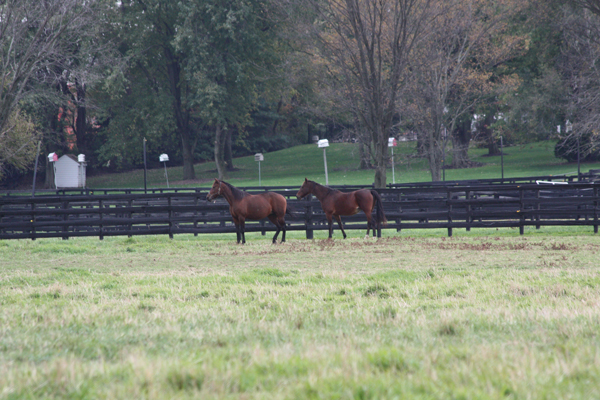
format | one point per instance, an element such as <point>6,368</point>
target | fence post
<point>170,217</point>
<point>33,219</point>
<point>130,205</point>
<point>196,213</point>
<point>399,220</point>
<point>522,211</point>
<point>65,229</point>
<point>308,218</point>
<point>449,215</point>
<point>468,199</point>
<point>595,209</point>
<point>538,208</point>
<point>101,207</point>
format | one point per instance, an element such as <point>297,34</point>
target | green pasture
<point>290,166</point>
<point>414,315</point>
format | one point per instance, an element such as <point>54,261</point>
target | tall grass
<point>407,316</point>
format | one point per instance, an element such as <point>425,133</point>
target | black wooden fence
<point>174,211</point>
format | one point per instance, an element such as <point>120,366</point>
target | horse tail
<point>291,212</point>
<point>379,213</point>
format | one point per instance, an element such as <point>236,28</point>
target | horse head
<point>304,189</point>
<point>215,190</point>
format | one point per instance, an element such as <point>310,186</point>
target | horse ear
<point>216,180</point>
<point>305,179</point>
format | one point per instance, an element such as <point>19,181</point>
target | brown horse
<point>336,203</point>
<point>243,206</point>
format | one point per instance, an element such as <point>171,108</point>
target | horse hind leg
<point>280,227</point>
<point>282,224</point>
<point>339,221</point>
<point>369,225</point>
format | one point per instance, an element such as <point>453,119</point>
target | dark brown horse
<point>243,206</point>
<point>336,203</point>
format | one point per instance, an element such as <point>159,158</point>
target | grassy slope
<point>403,317</point>
<point>290,166</point>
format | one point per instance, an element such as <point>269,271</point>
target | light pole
<point>392,143</point>
<point>569,129</point>
<point>145,169</point>
<point>324,143</point>
<point>259,157</point>
<point>445,136</point>
<point>163,158</point>
<point>52,158</point>
<point>37,156</point>
<point>502,158</point>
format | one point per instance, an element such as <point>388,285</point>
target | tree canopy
<point>210,79</point>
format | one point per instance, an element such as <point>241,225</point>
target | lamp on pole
<point>392,143</point>
<point>163,158</point>
<point>324,143</point>
<point>259,157</point>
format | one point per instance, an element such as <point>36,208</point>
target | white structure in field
<point>69,171</point>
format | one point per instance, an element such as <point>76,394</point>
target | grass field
<point>413,315</point>
<point>289,167</point>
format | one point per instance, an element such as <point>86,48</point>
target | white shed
<point>69,171</point>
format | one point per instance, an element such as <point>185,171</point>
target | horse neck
<point>319,191</point>
<point>227,193</point>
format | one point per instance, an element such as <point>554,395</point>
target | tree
<point>149,95</point>
<point>579,65</point>
<point>230,46</point>
<point>367,44</point>
<point>35,48</point>
<point>453,72</point>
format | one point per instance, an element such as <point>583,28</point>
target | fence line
<point>483,205</point>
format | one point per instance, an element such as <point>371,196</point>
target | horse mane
<point>237,193</point>
<point>329,190</point>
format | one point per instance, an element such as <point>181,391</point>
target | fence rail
<point>483,205</point>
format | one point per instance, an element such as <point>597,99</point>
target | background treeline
<point>216,79</point>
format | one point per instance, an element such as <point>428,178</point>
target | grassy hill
<point>291,166</point>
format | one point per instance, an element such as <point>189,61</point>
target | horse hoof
<point>367,236</point>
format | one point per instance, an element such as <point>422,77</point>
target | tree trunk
<point>182,116</point>
<point>276,122</point>
<point>228,154</point>
<point>461,137</point>
<point>434,156</point>
<point>365,156</point>
<point>219,152</point>
<point>380,160</point>
<point>488,134</point>
<point>49,179</point>
<point>80,119</point>
<point>421,144</point>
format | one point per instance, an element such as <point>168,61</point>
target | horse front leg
<point>236,222</point>
<point>339,221</point>
<point>330,220</point>
<point>243,230</point>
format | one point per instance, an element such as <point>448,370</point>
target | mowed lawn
<point>411,316</point>
<point>289,167</point>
